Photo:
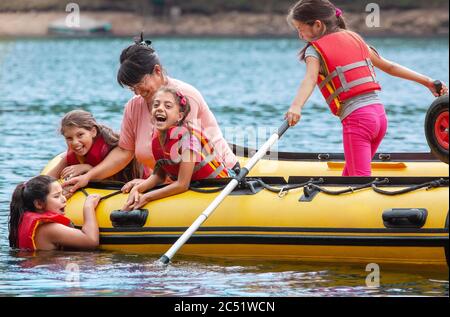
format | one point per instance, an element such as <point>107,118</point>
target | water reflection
<point>117,274</point>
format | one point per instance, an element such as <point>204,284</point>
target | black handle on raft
<point>438,86</point>
<point>405,217</point>
<point>127,219</point>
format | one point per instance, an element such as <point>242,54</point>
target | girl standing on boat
<point>88,143</point>
<point>37,220</point>
<point>181,152</point>
<point>142,72</point>
<point>342,65</point>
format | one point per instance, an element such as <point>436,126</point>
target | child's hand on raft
<point>136,200</point>
<point>431,86</point>
<point>75,170</point>
<point>66,193</point>
<point>92,201</point>
<point>133,197</point>
<point>130,185</point>
<point>141,201</point>
<point>76,183</point>
<point>293,115</point>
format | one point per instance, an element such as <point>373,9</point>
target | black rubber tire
<point>439,106</point>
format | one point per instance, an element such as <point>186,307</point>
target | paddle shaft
<point>226,191</point>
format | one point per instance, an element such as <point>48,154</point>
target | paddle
<point>226,191</point>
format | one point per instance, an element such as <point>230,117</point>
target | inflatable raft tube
<point>286,164</point>
<point>323,218</point>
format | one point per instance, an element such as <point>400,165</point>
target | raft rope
<point>283,191</point>
<point>104,197</point>
<point>429,185</point>
<point>309,187</point>
<point>249,183</point>
<point>312,185</point>
<point>207,191</point>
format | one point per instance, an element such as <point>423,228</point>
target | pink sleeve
<point>193,144</point>
<point>127,132</point>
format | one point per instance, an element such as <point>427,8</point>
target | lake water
<point>248,84</point>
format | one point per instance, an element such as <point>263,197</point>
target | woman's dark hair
<point>136,61</point>
<point>23,198</point>
<point>309,11</point>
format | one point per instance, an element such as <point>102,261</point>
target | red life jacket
<point>98,151</point>
<point>29,223</point>
<point>168,157</point>
<point>349,70</point>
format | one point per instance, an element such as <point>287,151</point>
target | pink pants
<point>363,131</point>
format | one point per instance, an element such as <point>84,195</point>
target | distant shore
<point>411,23</point>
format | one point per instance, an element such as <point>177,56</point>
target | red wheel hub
<point>441,129</point>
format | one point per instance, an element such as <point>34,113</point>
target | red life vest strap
<point>340,70</point>
<point>346,86</point>
<point>208,159</point>
<point>208,167</point>
<point>162,162</point>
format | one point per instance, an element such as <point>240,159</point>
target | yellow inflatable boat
<point>297,208</point>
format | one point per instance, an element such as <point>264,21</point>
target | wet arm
<point>86,239</point>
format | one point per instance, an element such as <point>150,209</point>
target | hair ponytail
<point>17,209</point>
<point>341,23</point>
<point>111,138</point>
<point>23,198</point>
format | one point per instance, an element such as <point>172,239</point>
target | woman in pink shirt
<point>142,72</point>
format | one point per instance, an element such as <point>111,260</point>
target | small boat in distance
<point>86,27</point>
